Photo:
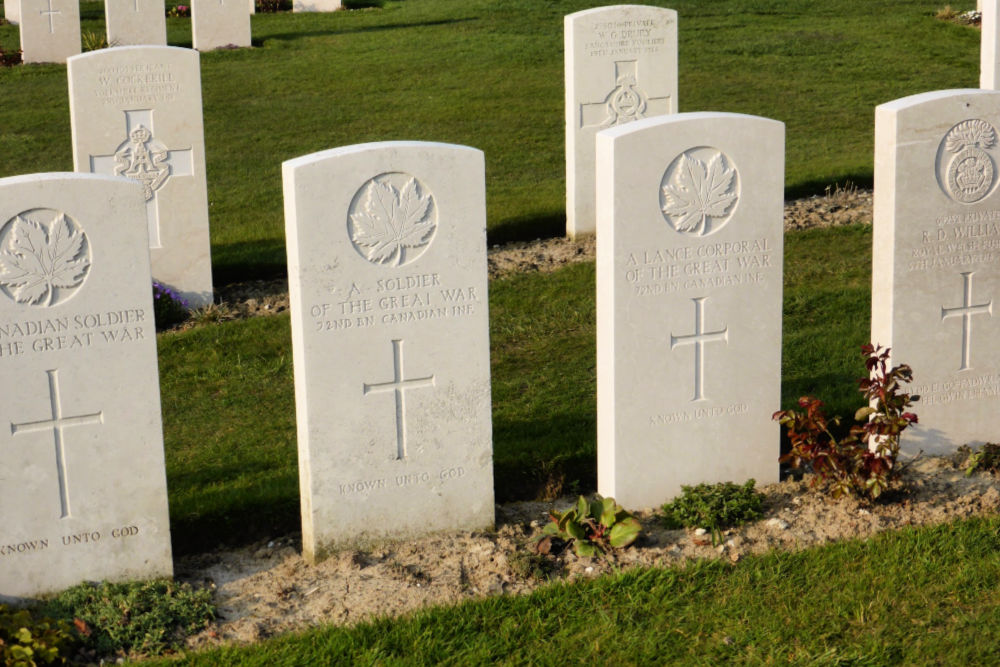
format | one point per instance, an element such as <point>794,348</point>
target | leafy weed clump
<point>147,617</point>
<point>27,640</point>
<point>714,507</point>
<point>592,527</point>
<point>864,461</point>
<point>987,459</point>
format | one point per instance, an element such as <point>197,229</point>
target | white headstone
<point>82,489</point>
<point>689,284</point>
<point>253,6</point>
<point>132,22</point>
<point>135,111</point>
<point>219,23</point>
<point>12,11</point>
<point>989,50</point>
<point>621,66</point>
<point>387,278</point>
<point>936,260</point>
<point>50,30</point>
<point>316,5</point>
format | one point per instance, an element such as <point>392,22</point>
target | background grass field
<point>489,74</point>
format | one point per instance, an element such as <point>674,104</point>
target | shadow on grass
<point>529,228</point>
<point>251,260</point>
<point>544,458</point>
<point>820,187</point>
<point>288,36</point>
<point>242,525</point>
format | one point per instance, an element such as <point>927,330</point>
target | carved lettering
<point>81,538</point>
<point>136,84</point>
<point>23,547</point>
<point>395,303</point>
<point>626,38</point>
<point>681,416</point>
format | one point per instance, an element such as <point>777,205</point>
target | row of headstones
<point>50,29</point>
<point>387,274</point>
<point>689,316</point>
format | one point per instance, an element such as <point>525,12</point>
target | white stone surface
<point>134,22</point>
<point>112,94</point>
<point>82,489</point>
<point>387,278</point>
<point>621,65</point>
<point>936,260</point>
<point>219,23</point>
<point>12,11</point>
<point>689,284</point>
<point>253,6</point>
<point>989,50</point>
<point>50,30</point>
<point>316,5</point>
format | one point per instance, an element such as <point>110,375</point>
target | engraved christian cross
<point>698,339</point>
<point>966,311</point>
<point>56,426</point>
<point>147,161</point>
<point>51,14</point>
<point>398,386</point>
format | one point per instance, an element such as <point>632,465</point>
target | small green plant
<point>714,507</point>
<point>592,527</point>
<point>169,308</point>
<point>93,41</point>
<point>864,461</point>
<point>946,13</point>
<point>987,459</point>
<point>147,617</point>
<point>27,641</point>
<point>179,12</point>
<point>273,6</point>
<point>9,58</point>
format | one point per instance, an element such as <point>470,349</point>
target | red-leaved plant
<point>864,461</point>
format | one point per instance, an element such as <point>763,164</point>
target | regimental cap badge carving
<point>966,171</point>
<point>699,191</point>
<point>626,102</point>
<point>44,257</point>
<point>142,158</point>
<point>392,219</point>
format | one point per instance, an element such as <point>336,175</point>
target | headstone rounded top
<point>372,146</point>
<point>686,117</point>
<point>931,96</point>
<point>618,9</point>
<point>129,52</point>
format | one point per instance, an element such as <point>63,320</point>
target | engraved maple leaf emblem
<point>38,258</point>
<point>698,192</point>
<point>392,219</point>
